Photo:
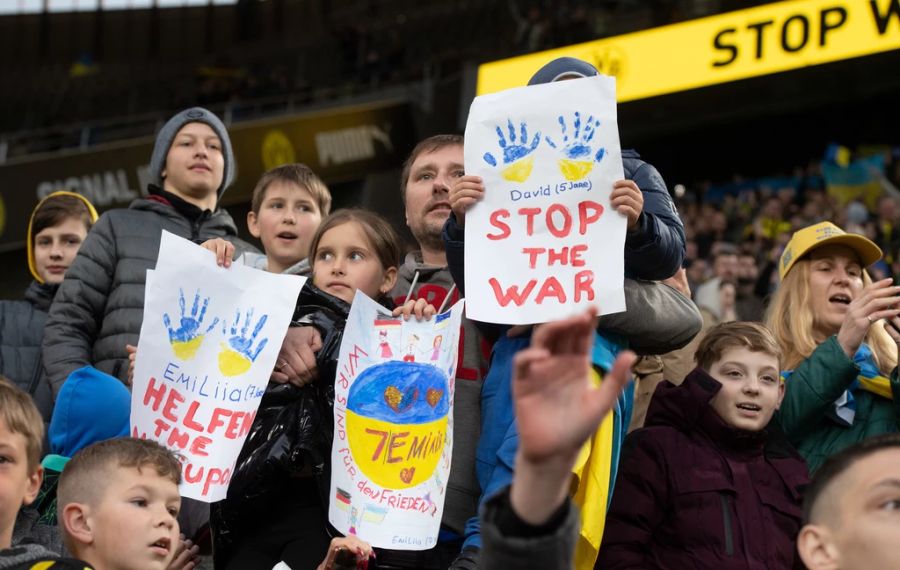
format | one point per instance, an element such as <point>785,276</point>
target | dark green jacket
<point>810,394</point>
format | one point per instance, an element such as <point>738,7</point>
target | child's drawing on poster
<point>548,155</point>
<point>208,343</point>
<point>393,426</point>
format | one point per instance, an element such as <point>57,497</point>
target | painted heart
<point>393,396</point>
<point>400,401</point>
<point>433,396</point>
<point>406,474</point>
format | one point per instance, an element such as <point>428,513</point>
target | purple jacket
<point>693,492</point>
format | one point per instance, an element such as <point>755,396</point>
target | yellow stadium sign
<point>727,47</point>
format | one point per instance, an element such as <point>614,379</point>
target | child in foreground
<point>118,503</point>
<point>710,481</point>
<point>21,434</point>
<point>277,504</point>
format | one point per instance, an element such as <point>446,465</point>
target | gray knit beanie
<point>167,135</point>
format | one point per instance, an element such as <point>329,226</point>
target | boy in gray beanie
<point>99,307</point>
<point>98,310</point>
<point>171,129</point>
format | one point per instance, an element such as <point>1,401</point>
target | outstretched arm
<point>557,410</point>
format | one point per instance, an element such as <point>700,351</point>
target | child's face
<point>345,262</point>
<point>55,248</point>
<point>18,485</point>
<point>195,165</point>
<point>751,388</point>
<point>287,219</point>
<point>133,525</point>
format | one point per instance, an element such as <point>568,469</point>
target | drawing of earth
<point>397,416</point>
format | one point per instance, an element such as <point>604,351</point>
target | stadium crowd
<point>762,336</point>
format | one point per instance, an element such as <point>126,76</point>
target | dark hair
<point>839,463</point>
<point>298,174</point>
<point>736,334</point>
<point>55,210</point>
<point>431,144</point>
<point>380,233</point>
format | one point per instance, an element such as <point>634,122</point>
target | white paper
<point>393,425</point>
<point>209,341</point>
<point>544,242</point>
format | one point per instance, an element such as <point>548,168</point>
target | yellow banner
<point>727,47</point>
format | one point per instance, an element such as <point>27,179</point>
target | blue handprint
<point>237,357</point>
<point>577,150</point>
<point>515,155</point>
<point>186,339</point>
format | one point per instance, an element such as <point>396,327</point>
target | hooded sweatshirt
<point>31,556</point>
<point>22,325</point>
<point>91,407</point>
<point>694,492</point>
<point>100,305</point>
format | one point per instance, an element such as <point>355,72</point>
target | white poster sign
<point>393,425</point>
<point>544,242</point>
<point>209,341</point>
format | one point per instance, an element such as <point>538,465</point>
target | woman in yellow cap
<point>58,226</point>
<point>836,330</point>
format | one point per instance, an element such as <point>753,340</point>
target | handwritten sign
<point>393,425</point>
<point>209,340</point>
<point>544,242</point>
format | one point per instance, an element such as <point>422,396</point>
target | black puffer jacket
<point>100,305</point>
<point>21,330</point>
<point>291,435</point>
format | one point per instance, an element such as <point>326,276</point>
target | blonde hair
<point>790,318</point>
<point>21,416</point>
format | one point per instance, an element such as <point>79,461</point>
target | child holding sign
<point>654,249</point>
<point>277,504</point>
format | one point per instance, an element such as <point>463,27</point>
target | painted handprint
<point>238,355</point>
<point>188,337</point>
<point>578,154</point>
<point>515,152</point>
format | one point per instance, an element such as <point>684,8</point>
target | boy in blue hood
<point>91,407</point>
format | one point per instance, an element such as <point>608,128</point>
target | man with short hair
<point>429,172</point>
<point>851,508</point>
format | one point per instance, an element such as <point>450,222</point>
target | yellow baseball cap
<point>814,236</point>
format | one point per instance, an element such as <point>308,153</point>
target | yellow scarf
<point>590,490</point>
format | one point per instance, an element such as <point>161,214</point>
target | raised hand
<point>465,192</point>
<point>879,300</point>
<point>557,404</point>
<point>558,408</point>
<point>628,200</point>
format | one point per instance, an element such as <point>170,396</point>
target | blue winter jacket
<point>654,251</point>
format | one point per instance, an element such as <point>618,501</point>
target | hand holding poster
<point>393,425</point>
<point>544,242</point>
<point>209,340</point>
